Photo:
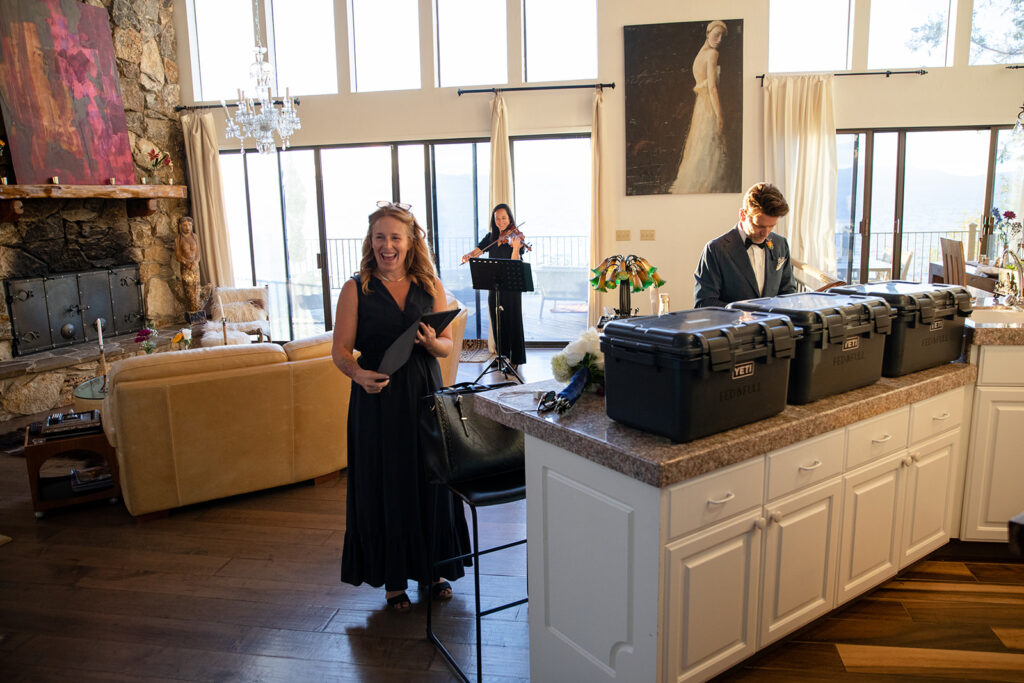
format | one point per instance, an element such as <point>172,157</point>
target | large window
<point>223,41</point>
<point>384,44</point>
<point>304,47</point>
<point>221,59</point>
<point>825,35</point>
<point>809,35</point>
<point>910,33</point>
<point>997,32</point>
<point>275,224</point>
<point>917,186</point>
<point>472,42</point>
<point>560,39</point>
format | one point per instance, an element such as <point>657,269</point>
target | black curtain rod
<point>885,73</point>
<point>194,107</point>
<point>463,91</point>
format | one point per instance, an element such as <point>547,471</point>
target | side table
<point>89,394</point>
<point>56,492</point>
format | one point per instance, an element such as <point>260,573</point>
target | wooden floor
<point>247,589</point>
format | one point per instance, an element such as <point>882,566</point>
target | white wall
<point>683,223</point>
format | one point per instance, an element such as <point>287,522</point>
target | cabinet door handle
<point>944,416</point>
<point>722,501</point>
<point>759,523</point>
<point>916,457</point>
<point>813,466</point>
<point>887,437</point>
<point>907,462</point>
<point>776,517</point>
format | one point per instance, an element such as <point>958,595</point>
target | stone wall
<point>69,235</point>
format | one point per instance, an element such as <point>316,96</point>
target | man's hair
<point>765,198</point>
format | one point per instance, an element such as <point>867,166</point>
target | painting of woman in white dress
<point>703,165</point>
<point>684,107</point>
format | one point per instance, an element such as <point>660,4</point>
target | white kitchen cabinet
<point>929,475</point>
<point>696,576</point>
<point>712,598</point>
<point>994,491</point>
<point>872,525</point>
<point>801,549</point>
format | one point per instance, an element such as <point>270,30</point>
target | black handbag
<point>458,444</point>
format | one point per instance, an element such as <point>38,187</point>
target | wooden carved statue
<point>186,252</point>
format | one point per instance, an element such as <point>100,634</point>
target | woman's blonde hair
<point>419,264</point>
<point>717,23</point>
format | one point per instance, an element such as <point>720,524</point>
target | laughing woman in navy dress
<point>391,505</point>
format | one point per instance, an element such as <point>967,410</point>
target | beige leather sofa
<point>192,426</point>
<point>197,425</point>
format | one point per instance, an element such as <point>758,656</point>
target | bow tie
<point>747,242</point>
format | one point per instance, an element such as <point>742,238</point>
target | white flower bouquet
<point>580,366</point>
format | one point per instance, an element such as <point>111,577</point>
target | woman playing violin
<point>504,241</point>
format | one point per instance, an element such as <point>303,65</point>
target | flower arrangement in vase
<point>160,161</point>
<point>144,338</point>
<point>184,337</point>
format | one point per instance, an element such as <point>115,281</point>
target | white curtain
<point>501,156</point>
<point>210,221</point>
<point>800,158</point>
<point>596,143</point>
<point>501,191</point>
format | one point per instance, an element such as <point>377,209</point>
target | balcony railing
<point>923,247</point>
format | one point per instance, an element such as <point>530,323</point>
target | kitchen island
<point>656,561</point>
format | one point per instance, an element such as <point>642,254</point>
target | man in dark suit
<point>748,261</point>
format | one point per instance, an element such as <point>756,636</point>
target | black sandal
<point>438,590</point>
<point>400,602</point>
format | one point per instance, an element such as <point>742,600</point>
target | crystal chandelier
<point>258,115</point>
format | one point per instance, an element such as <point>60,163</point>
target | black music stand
<point>500,274</point>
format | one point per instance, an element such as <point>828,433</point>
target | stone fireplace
<point>68,235</point>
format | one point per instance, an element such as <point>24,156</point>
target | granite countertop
<point>992,334</point>
<point>655,460</point>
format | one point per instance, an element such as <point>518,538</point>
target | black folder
<point>400,350</point>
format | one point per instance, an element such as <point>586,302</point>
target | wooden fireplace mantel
<point>141,198</point>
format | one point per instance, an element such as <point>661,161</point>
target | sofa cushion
<point>194,361</point>
<point>311,347</point>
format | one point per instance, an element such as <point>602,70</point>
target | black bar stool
<point>486,491</point>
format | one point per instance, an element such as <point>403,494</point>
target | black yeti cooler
<point>929,326</point>
<point>688,374</point>
<point>842,340</point>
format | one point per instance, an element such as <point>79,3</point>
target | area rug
<point>474,351</point>
<point>13,442</point>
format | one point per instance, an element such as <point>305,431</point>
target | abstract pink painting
<point>60,95</point>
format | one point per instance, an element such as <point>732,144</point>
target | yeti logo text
<point>937,325</point>
<point>743,370</point>
<point>851,344</point>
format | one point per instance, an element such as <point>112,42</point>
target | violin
<point>506,236</point>
<point>511,232</point>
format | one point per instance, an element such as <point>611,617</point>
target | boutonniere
<point>769,243</point>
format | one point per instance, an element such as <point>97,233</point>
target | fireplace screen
<point>60,310</point>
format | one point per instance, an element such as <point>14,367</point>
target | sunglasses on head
<point>385,204</point>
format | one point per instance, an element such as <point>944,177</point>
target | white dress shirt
<point>757,256</point>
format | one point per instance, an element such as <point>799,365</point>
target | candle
<point>99,331</point>
<point>221,305</point>
<point>225,106</point>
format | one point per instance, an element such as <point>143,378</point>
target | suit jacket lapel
<point>741,262</point>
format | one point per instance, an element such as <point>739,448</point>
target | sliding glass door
<point>297,219</point>
<point>900,191</point>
